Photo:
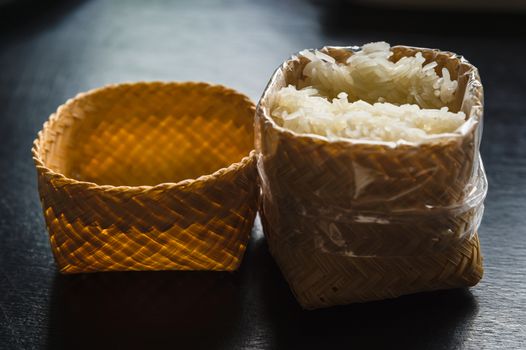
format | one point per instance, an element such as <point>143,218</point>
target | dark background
<point>49,51</point>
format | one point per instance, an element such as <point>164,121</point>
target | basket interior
<point>149,133</point>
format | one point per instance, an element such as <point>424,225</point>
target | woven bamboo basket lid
<point>149,176</point>
<point>350,221</point>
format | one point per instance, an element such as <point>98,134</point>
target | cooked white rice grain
<point>369,75</point>
<point>369,98</point>
<point>307,111</point>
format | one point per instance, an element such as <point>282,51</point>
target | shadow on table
<point>143,310</point>
<point>252,307</point>
<point>340,18</point>
<point>435,320</point>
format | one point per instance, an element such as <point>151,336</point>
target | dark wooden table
<point>50,51</point>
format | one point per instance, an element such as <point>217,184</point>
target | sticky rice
<point>369,97</point>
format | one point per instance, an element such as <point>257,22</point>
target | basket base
<point>318,279</point>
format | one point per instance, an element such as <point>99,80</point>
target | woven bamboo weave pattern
<point>350,221</point>
<point>124,184</point>
<point>319,280</point>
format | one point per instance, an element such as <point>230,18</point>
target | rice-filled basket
<point>353,218</point>
<point>149,176</point>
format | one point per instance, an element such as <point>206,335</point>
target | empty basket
<point>149,176</point>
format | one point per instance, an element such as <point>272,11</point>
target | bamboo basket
<point>352,221</point>
<point>149,176</point>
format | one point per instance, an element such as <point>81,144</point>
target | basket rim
<point>474,118</point>
<point>46,171</point>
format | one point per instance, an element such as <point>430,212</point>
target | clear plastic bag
<point>363,198</point>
